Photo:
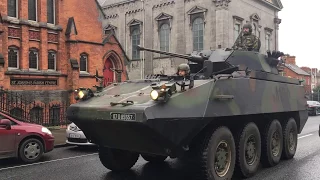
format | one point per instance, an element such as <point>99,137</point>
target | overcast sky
<point>298,31</point>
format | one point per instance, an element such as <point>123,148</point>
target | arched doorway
<point>110,75</point>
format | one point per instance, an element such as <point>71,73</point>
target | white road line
<point>26,165</point>
<point>304,136</point>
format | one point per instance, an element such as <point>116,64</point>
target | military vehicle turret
<point>230,113</point>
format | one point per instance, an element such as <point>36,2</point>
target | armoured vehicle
<point>230,113</point>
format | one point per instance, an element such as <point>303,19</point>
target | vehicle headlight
<point>81,94</point>
<point>46,130</point>
<point>154,94</point>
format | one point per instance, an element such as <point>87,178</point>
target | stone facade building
<point>183,26</point>
<point>49,48</point>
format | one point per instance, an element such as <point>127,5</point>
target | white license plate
<point>74,135</point>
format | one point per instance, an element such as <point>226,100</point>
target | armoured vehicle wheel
<point>248,150</point>
<point>217,155</point>
<point>153,158</point>
<point>272,144</point>
<point>290,139</point>
<point>117,160</point>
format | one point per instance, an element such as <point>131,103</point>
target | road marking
<point>26,165</point>
<point>304,136</point>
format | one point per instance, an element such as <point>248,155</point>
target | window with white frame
<point>83,62</point>
<point>52,60</point>
<point>236,30</point>
<point>198,29</point>
<point>267,41</point>
<point>164,37</point>
<point>51,11</point>
<point>33,59</point>
<point>135,37</point>
<point>13,58</point>
<point>32,10</point>
<point>12,6</point>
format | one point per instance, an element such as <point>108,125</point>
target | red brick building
<point>48,48</point>
<point>294,71</point>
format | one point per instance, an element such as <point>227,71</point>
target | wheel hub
<point>292,142</point>
<point>222,160</point>
<point>275,144</point>
<point>250,150</point>
<point>32,150</point>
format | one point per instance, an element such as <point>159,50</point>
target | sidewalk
<point>59,137</point>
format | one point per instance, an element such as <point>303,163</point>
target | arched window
<point>164,37</point>
<point>33,59</point>
<point>36,115</point>
<point>17,113</point>
<point>54,113</point>
<point>197,31</point>
<point>52,60</point>
<point>13,57</point>
<point>135,41</point>
<point>84,62</point>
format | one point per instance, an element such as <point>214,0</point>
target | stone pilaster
<point>147,24</point>
<point>277,22</point>
<point>181,38</point>
<point>222,28</point>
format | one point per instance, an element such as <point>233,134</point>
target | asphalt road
<point>83,163</point>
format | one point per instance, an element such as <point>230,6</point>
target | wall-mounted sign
<point>33,82</point>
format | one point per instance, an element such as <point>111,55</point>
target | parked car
<point>25,141</point>
<point>313,107</point>
<point>75,136</point>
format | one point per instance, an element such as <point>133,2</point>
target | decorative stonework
<point>14,32</point>
<point>277,22</point>
<point>34,35</point>
<point>122,3</point>
<point>53,37</point>
<point>113,16</point>
<point>163,4</point>
<point>222,4</point>
<point>196,12</point>
<point>255,17</point>
<point>164,18</point>
<point>134,11</point>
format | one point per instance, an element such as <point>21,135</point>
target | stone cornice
<point>122,3</point>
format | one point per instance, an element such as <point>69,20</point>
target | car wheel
<point>30,150</point>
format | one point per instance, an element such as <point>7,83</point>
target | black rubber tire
<point>207,152</point>
<point>22,155</point>
<point>267,158</point>
<point>154,158</point>
<point>117,160</point>
<point>243,169</point>
<point>288,153</point>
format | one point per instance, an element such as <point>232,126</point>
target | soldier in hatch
<point>183,70</point>
<point>248,41</point>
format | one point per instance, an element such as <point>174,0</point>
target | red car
<point>23,140</point>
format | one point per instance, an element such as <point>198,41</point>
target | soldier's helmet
<point>184,67</point>
<point>249,26</point>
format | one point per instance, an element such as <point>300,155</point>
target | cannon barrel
<point>193,58</point>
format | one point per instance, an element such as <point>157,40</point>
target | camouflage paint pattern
<point>159,127</point>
